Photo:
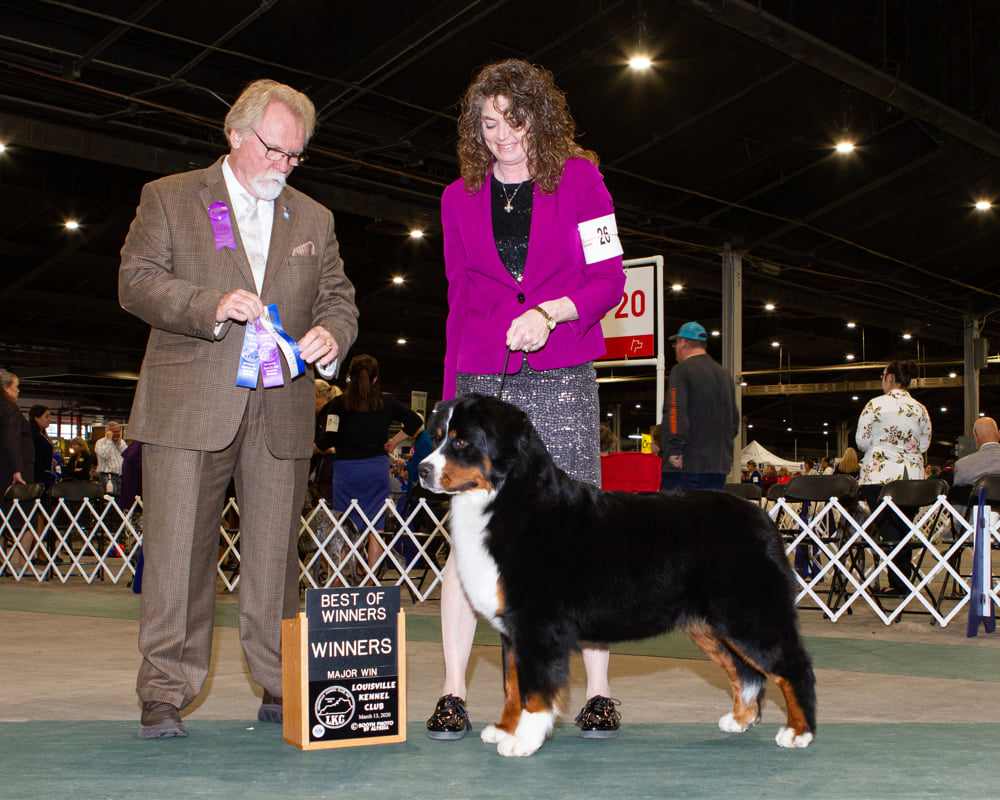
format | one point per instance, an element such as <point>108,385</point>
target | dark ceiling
<point>727,141</point>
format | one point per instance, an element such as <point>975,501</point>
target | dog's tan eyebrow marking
<point>452,434</point>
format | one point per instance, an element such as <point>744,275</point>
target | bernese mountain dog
<point>551,562</point>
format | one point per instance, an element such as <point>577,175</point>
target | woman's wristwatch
<point>550,321</point>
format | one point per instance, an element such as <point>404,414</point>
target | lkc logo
<point>334,707</point>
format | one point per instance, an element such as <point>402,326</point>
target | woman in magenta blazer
<point>533,262</point>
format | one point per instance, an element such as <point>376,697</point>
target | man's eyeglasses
<point>276,153</point>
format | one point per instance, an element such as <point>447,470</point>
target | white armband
<point>599,238</point>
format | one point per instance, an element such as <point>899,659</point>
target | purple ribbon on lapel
<point>222,227</point>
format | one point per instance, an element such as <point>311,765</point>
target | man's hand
<point>677,462</point>
<point>318,345</point>
<point>239,305</point>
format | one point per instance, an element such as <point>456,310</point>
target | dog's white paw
<point>519,745</point>
<point>492,734</point>
<point>728,724</point>
<point>786,738</point>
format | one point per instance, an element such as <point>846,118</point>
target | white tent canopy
<point>757,452</point>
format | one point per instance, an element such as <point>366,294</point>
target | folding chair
<point>26,494</point>
<point>74,495</point>
<point>909,496</point>
<point>750,491</point>
<point>991,485</point>
<point>825,527</point>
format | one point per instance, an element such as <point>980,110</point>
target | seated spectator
<point>986,459</point>
<point>753,474</point>
<point>768,479</point>
<point>848,464</point>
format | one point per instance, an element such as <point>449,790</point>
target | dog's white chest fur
<point>476,567</point>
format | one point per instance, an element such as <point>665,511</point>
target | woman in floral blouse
<point>894,432</point>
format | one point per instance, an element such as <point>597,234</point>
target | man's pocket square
<point>304,249</point>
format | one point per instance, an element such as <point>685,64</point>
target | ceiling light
<point>907,336</point>
<point>826,424</point>
<point>952,374</point>
<point>716,333</point>
<point>3,147</point>
<point>775,344</point>
<point>981,205</point>
<point>638,405</point>
<point>850,356</point>
<point>677,287</point>
<point>854,397</point>
<point>743,383</point>
<point>851,325</point>
<point>71,225</point>
<point>845,147</point>
<point>398,280</point>
<point>416,233</point>
<point>789,429</point>
<point>749,424</point>
<point>401,341</point>
<point>944,409</point>
<point>769,306</point>
<point>640,62</point>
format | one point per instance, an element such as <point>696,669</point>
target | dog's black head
<point>478,441</point>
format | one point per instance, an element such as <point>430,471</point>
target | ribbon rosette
<point>222,226</point>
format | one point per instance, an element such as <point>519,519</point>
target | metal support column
<point>970,332</point>
<point>732,342</point>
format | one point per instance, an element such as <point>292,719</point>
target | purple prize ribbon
<point>289,347</point>
<point>249,362</point>
<point>222,228</point>
<point>270,358</point>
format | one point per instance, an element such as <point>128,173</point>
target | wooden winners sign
<point>344,669</point>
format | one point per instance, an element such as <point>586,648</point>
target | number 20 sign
<point>630,325</point>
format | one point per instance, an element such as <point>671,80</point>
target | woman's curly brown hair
<point>535,101</point>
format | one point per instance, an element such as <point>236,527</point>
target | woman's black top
<point>511,230</point>
<point>363,434</point>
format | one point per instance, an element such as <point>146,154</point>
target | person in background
<point>753,474</point>
<point>359,423</point>
<point>17,453</point>
<point>700,419</point>
<point>826,466</point>
<point>109,459</point>
<point>324,461</point>
<point>986,459</point>
<point>608,441</point>
<point>81,463</point>
<point>894,431</point>
<point>533,261</point>
<point>39,417</point>
<point>848,464</point>
<point>768,479</point>
<point>208,253</point>
<point>783,476</point>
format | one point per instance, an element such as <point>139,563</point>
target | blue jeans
<point>694,480</point>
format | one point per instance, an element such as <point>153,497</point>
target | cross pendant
<point>508,208</point>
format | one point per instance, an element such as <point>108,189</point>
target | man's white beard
<point>270,186</point>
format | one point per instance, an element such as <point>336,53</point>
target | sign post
<point>633,330</point>
<point>344,669</point>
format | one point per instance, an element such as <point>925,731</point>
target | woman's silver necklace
<point>510,199</point>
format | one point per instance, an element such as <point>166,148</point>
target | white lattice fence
<point>98,540</point>
<point>849,563</point>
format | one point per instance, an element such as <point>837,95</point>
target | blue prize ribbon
<point>289,347</point>
<point>249,360</point>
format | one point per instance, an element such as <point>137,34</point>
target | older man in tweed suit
<point>208,250</point>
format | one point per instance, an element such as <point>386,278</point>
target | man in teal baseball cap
<point>700,419</point>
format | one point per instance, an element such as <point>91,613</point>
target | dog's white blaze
<point>532,730</point>
<point>476,568</point>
